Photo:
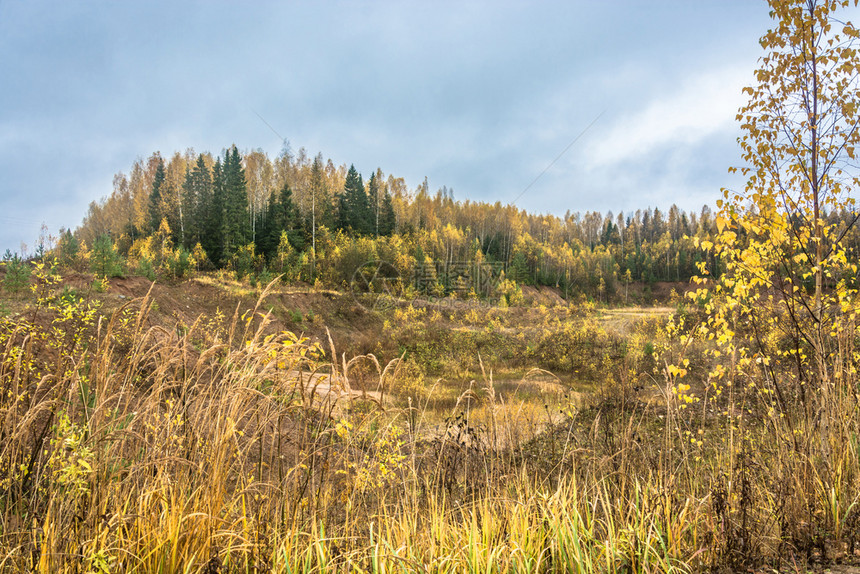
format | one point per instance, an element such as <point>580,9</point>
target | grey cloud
<point>479,97</point>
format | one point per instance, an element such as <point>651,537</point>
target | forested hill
<point>314,221</point>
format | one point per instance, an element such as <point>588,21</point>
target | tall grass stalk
<point>140,448</point>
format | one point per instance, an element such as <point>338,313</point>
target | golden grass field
<point>227,444</point>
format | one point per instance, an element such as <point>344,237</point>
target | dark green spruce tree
<point>387,220</point>
<point>236,224</point>
<point>197,201</point>
<point>281,214</point>
<point>373,199</point>
<point>156,208</point>
<point>353,206</point>
<point>105,261</point>
<point>211,217</point>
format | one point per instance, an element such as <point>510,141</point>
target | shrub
<point>17,274</point>
<point>105,262</point>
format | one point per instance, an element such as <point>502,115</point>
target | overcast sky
<point>478,96</point>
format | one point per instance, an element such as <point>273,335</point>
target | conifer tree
<point>281,216</point>
<point>105,262</point>
<point>68,248</point>
<point>211,216</point>
<point>387,219</point>
<point>317,191</point>
<point>353,210</point>
<point>373,199</point>
<point>236,225</point>
<point>343,217</point>
<point>197,198</point>
<point>156,211</point>
<point>188,201</point>
<point>17,273</point>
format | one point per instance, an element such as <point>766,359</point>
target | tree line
<point>312,221</point>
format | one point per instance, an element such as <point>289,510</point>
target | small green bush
<point>105,261</point>
<point>17,274</point>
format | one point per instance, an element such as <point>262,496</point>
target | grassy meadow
<point>240,364</point>
<point>541,438</point>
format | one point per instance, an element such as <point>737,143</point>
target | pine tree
<point>373,203</point>
<point>387,220</point>
<point>211,216</point>
<point>68,248</point>
<point>197,199</point>
<point>188,200</point>
<point>317,192</point>
<point>236,225</point>
<point>353,209</point>
<point>343,217</point>
<point>156,210</point>
<point>105,262</point>
<point>281,216</point>
<point>17,273</point>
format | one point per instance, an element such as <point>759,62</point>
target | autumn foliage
<point>514,430</point>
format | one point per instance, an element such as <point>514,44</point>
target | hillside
<point>461,330</point>
<point>352,404</point>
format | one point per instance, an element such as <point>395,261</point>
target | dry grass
<point>131,448</point>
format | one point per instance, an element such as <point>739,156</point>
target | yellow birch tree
<point>786,274</point>
<point>782,308</point>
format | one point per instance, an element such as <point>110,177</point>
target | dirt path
<point>322,388</point>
